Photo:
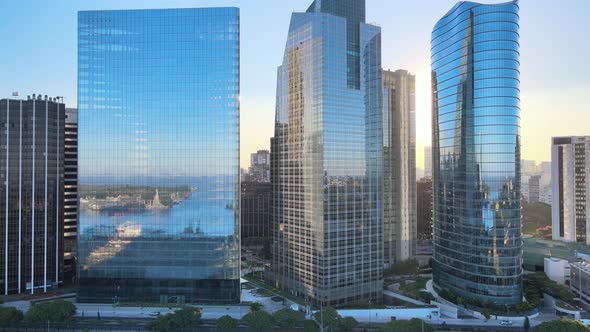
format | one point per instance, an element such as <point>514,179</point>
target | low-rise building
<point>557,269</point>
<point>580,282</point>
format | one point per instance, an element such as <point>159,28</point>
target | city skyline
<point>547,90</point>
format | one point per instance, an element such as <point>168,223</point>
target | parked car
<point>506,322</point>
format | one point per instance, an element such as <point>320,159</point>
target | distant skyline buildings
<point>259,170</point>
<point>327,153</point>
<point>428,161</point>
<point>399,166</point>
<point>476,140</point>
<point>31,194</point>
<point>570,158</point>
<point>159,156</point>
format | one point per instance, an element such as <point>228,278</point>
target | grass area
<point>259,283</point>
<point>414,288</point>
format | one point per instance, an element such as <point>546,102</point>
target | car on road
<point>506,322</point>
<point>155,314</point>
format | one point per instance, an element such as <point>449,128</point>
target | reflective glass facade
<point>476,152</point>
<point>326,167</point>
<point>31,194</point>
<point>159,155</point>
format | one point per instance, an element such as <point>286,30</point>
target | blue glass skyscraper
<point>476,153</point>
<point>159,155</point>
<point>327,155</point>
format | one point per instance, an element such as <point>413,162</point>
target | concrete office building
<point>70,193</point>
<point>570,160</point>
<point>399,166</point>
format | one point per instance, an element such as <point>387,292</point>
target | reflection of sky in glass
<point>476,152</point>
<point>158,98</point>
<point>159,113</point>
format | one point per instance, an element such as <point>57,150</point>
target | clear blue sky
<point>39,56</point>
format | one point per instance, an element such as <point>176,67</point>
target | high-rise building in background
<point>424,208</point>
<point>529,167</point>
<point>534,188</point>
<point>70,193</point>
<point>399,166</point>
<point>428,161</point>
<point>159,155</point>
<point>31,194</point>
<point>476,158</point>
<point>327,152</point>
<point>255,211</point>
<point>570,157</point>
<point>259,166</point>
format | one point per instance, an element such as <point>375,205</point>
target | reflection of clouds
<point>113,247</point>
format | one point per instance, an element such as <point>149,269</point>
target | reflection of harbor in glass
<point>203,213</point>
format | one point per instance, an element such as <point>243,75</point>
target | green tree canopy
<point>310,326</point>
<point>10,316</point>
<point>255,307</point>
<point>348,324</point>
<point>562,326</point>
<point>329,317</point>
<point>288,318</point>
<point>227,323</point>
<point>183,318</point>
<point>412,325</point>
<point>52,311</point>
<point>258,321</point>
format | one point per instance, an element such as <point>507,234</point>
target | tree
<point>486,313</point>
<point>183,318</point>
<point>527,324</point>
<point>348,324</point>
<point>288,318</point>
<point>227,323</point>
<point>255,306</point>
<point>188,317</point>
<point>258,321</point>
<point>53,311</point>
<point>562,325</point>
<point>329,317</point>
<point>412,325</point>
<point>9,316</point>
<point>310,326</point>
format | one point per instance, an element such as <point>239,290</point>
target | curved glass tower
<point>476,152</point>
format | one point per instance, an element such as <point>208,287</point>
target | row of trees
<point>260,321</point>
<point>59,311</point>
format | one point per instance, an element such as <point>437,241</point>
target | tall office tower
<point>428,161</point>
<point>159,155</point>
<point>327,157</point>
<point>256,197</point>
<point>476,158</point>
<point>534,188</point>
<point>399,166</point>
<point>260,166</point>
<point>31,194</point>
<point>570,158</point>
<point>70,193</point>
<point>424,208</point>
